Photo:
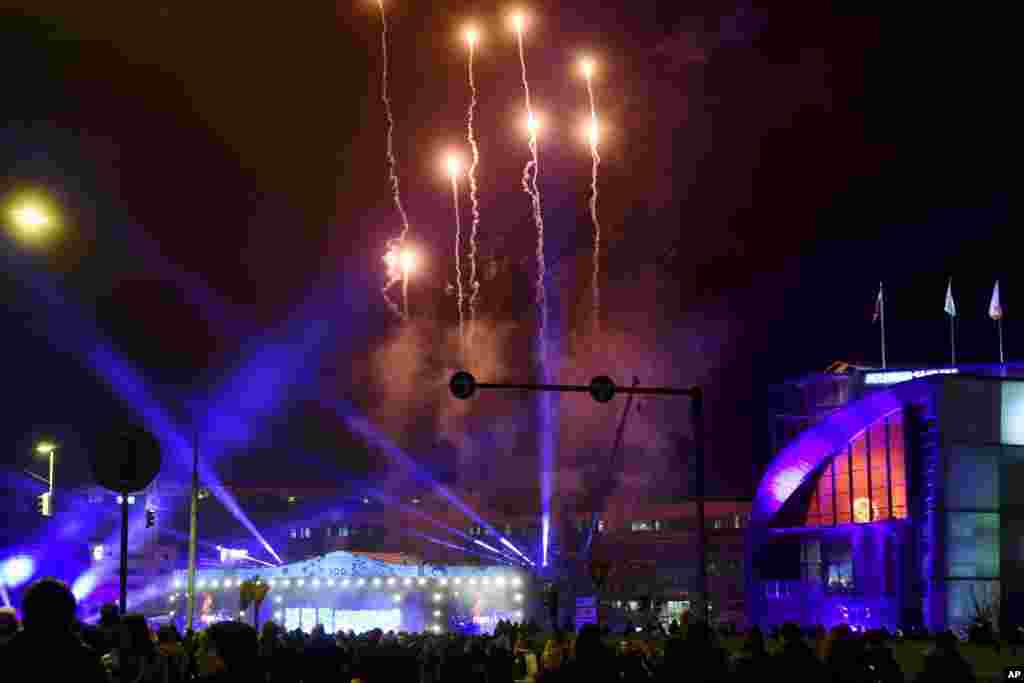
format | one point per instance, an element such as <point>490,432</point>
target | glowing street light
<point>30,221</point>
<point>472,36</point>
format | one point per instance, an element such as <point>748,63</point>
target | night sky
<point>765,168</point>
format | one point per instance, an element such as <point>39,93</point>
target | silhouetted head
<point>49,606</point>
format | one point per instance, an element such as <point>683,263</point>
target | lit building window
<point>294,533</point>
<point>865,482</point>
<point>307,532</point>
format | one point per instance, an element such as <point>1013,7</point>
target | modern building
<point>890,500</point>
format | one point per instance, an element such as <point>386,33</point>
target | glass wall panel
<point>897,465</point>
<point>972,479</point>
<point>972,544</point>
<point>859,462</point>
<point>879,473</point>
<point>825,496</point>
<point>965,599</point>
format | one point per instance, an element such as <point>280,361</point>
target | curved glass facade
<point>865,482</point>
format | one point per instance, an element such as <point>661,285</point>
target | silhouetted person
<point>170,648</point>
<point>796,661</point>
<point>47,648</point>
<point>232,653</point>
<point>8,625</point>
<point>753,660</point>
<point>706,662</point>
<point>945,663</point>
<point>592,661</point>
<point>880,661</point>
<point>136,657</point>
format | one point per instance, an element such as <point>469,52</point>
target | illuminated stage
<point>343,591</point>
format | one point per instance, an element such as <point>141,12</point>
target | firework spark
<point>593,134</point>
<point>394,272</point>
<point>472,36</point>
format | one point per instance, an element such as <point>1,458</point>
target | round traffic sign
<point>126,460</point>
<point>602,388</point>
<point>463,385</point>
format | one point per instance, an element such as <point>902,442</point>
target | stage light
<point>215,584</point>
<point>437,597</point>
<point>345,583</point>
<point>472,582</point>
<point>287,583</point>
<point>397,597</point>
<point>316,583</point>
<point>500,581</point>
<point>456,593</point>
<point>202,583</point>
<point>422,582</point>
<point>172,598</point>
<point>242,613</point>
<point>518,614</point>
<point>517,582</point>
<point>437,613</point>
<point>458,581</point>
<point>177,583</point>
<point>330,582</point>
<point>97,553</point>
<point>443,582</point>
<point>391,581</point>
<point>437,629</point>
<point>131,500</point>
<point>278,599</point>
<point>519,597</point>
<point>361,582</point>
<point>277,615</point>
<point>407,582</point>
<point>486,581</point>
<point>376,582</point>
<point>300,583</point>
<point>273,583</point>
<point>171,614</point>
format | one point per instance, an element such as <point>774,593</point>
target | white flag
<point>995,309</point>
<point>950,304</point>
<point>879,302</point>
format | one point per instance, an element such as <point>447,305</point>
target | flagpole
<point>1002,358</point>
<point>881,316</point>
<point>952,337</point>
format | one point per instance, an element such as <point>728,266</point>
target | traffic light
<point>150,518</point>
<point>43,505</point>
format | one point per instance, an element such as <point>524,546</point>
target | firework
<point>593,134</point>
<point>530,174</point>
<point>472,37</point>
<point>395,273</point>
<point>454,167</point>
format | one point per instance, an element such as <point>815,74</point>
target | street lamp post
<point>463,385</point>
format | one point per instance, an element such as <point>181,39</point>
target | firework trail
<point>474,284</point>
<point>530,173</point>
<point>593,135</point>
<point>394,272</point>
<point>453,171</point>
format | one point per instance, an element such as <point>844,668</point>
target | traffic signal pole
<point>463,385</point>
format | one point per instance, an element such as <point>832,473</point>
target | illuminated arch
<point>811,450</point>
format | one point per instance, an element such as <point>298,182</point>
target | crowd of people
<point>123,648</point>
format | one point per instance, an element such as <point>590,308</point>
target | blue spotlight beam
<point>362,426</point>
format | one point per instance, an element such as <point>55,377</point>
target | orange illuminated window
<point>866,482</point>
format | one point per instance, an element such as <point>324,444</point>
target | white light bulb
<point>273,583</point>
<point>278,599</point>
<point>407,582</point>
<point>330,582</point>
<point>437,613</point>
<point>519,597</point>
<point>437,597</point>
<point>458,581</point>
<point>300,583</point>
<point>397,597</point>
<point>500,581</point>
<point>422,582</point>
<point>444,582</point>
<point>391,581</point>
